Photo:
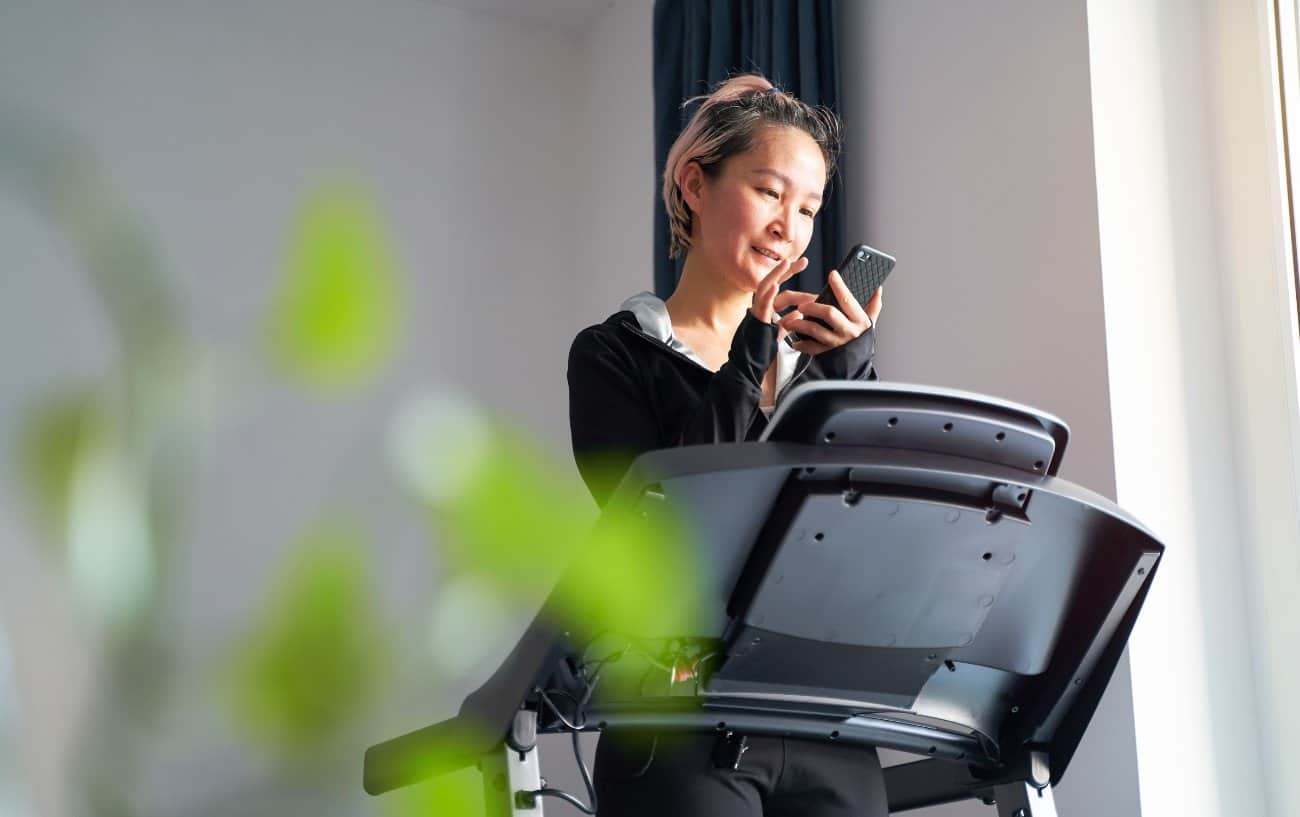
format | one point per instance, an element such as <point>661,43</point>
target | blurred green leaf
<point>110,552</point>
<point>436,443</point>
<point>312,660</point>
<point>458,794</point>
<point>468,623</point>
<point>515,523</point>
<point>54,434</point>
<point>333,323</point>
<point>61,178</point>
<point>636,575</point>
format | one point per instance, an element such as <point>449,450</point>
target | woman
<point>742,185</point>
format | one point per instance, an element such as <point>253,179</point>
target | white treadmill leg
<point>1023,800</point>
<point>509,775</point>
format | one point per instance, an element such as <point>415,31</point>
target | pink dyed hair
<point>726,123</point>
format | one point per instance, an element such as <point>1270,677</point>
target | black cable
<point>582,768</point>
<point>572,727</point>
<point>645,767</point>
<point>600,663</point>
<point>586,697</point>
<point>575,729</point>
<point>698,669</point>
<point>580,715</point>
<point>566,797</point>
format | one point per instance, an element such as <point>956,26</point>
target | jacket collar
<point>651,315</point>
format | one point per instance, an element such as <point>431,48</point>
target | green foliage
<point>517,524</point>
<point>54,436</point>
<point>314,656</point>
<point>639,575</point>
<point>513,521</point>
<point>457,794</point>
<point>334,320</point>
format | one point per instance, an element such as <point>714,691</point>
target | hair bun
<point>739,86</point>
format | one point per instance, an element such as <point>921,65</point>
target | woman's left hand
<point>846,322</point>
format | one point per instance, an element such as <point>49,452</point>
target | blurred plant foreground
<point>105,499</point>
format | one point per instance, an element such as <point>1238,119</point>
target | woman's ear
<point>690,180</point>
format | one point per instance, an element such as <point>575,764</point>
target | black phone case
<point>863,270</point>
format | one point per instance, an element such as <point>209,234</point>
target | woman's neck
<point>705,299</point>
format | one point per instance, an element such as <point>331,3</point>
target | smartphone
<point>863,270</point>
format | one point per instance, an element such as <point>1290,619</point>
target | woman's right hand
<point>764,307</point>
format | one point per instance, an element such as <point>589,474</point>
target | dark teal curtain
<point>699,43</point>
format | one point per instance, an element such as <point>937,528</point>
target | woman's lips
<point>768,254</point>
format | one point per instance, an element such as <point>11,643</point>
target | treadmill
<point>891,565</point>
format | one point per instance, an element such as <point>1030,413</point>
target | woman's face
<point>759,210</point>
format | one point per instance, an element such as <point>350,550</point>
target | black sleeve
<point>852,361</point>
<point>611,421</point>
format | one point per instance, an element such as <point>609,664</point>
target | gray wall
<point>613,238</point>
<point>210,123</point>
<point>970,158</point>
<point>612,242</point>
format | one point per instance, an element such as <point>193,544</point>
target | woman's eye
<point>772,193</point>
<point>807,212</point>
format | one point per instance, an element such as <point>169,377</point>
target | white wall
<point>1200,300</point>
<point>1159,257</point>
<point>969,156</point>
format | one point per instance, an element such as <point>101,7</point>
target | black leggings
<point>676,774</point>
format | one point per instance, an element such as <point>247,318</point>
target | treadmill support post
<point>511,774</point>
<point>1021,799</point>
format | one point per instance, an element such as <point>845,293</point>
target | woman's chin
<point>757,270</point>
<point>749,279</point>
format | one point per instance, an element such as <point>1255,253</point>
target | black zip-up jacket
<point>629,392</point>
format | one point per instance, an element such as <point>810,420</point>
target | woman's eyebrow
<point>767,171</point>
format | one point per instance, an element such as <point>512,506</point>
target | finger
<point>876,303</point>
<point>844,295</point>
<point>809,347</point>
<point>766,291</point>
<point>793,297</point>
<point>765,294</point>
<point>814,331</point>
<point>792,268</point>
<point>784,270</point>
<point>789,299</point>
<point>769,287</point>
<point>837,320</point>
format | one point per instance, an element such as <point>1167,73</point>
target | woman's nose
<point>781,225</point>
